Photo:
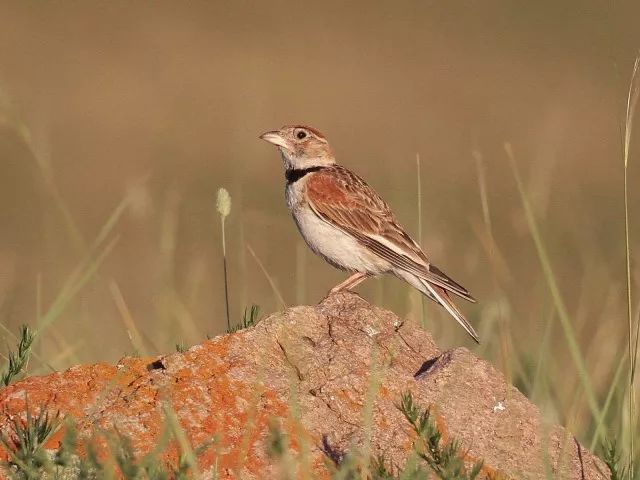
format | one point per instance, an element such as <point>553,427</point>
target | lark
<point>347,223</point>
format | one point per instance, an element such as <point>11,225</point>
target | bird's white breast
<point>336,247</point>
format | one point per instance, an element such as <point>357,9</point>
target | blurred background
<point>119,122</point>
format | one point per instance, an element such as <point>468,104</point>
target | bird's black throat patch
<point>295,174</point>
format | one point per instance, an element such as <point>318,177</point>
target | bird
<point>343,220</point>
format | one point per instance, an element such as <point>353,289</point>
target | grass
<point>550,278</point>
<point>30,460</point>
<point>445,459</point>
<point>223,204</point>
<point>633,333</point>
<point>270,279</point>
<point>25,443</point>
<point>430,457</point>
<point>18,360</point>
<point>611,458</point>
<point>423,319</point>
<point>250,318</point>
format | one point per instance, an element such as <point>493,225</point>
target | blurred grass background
<point>158,104</point>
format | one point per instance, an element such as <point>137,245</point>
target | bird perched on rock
<point>345,221</point>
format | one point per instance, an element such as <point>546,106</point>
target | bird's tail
<point>441,296</point>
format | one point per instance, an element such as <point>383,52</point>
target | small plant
<point>276,442</point>
<point>442,458</point>
<point>379,470</point>
<point>223,205</point>
<point>632,336</point>
<point>611,458</point>
<point>18,360</point>
<point>66,453</point>
<point>25,443</point>
<point>445,460</point>
<point>181,347</point>
<point>250,318</point>
<point>351,465</point>
<point>29,460</point>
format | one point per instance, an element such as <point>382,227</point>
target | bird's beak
<point>274,137</point>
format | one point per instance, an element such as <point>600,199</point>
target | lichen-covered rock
<point>332,374</point>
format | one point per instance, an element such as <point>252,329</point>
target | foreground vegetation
<point>28,459</point>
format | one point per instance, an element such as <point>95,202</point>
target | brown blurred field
<point>162,103</point>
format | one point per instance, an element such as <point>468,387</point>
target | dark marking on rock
<point>333,453</point>
<point>432,365</point>
<point>156,365</point>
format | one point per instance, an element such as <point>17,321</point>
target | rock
<point>332,374</point>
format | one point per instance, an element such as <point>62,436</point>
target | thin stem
<point>630,323</point>
<point>422,309</point>
<point>226,280</point>
<point>272,283</point>
<point>632,99</point>
<point>419,198</point>
<point>554,290</point>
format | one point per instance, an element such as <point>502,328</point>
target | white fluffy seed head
<point>223,202</point>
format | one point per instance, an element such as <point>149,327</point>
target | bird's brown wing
<point>341,198</point>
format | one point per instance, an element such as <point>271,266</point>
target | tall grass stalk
<point>563,313</point>
<point>607,402</point>
<point>93,255</point>
<point>223,204</point>
<point>632,100</point>
<point>301,273</point>
<point>13,120</point>
<point>303,457</point>
<point>250,425</point>
<point>270,279</point>
<point>482,186</point>
<point>500,269</point>
<point>418,174</point>
<point>377,372</point>
<point>181,438</point>
<point>419,198</point>
<point>86,269</point>
<point>127,318</point>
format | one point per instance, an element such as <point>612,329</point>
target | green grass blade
<point>179,434</point>
<point>563,314</point>
<point>272,283</point>
<point>85,269</point>
<point>632,101</point>
<point>63,299</point>
<point>600,426</point>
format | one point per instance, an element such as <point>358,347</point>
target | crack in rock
<point>288,360</point>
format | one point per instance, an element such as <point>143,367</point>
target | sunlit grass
<point>559,303</point>
<point>270,279</point>
<point>633,334</point>
<point>223,205</point>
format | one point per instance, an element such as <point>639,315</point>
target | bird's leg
<point>357,280</point>
<point>350,282</point>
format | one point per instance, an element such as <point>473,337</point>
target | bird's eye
<point>301,134</point>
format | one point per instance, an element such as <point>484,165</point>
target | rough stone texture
<point>314,369</point>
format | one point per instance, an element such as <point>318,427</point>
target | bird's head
<point>301,147</point>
